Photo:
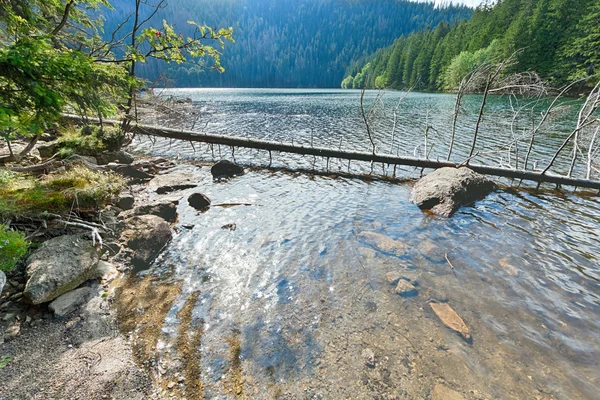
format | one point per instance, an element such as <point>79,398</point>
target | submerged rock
<point>384,243</point>
<point>58,266</point>
<point>226,169</point>
<point>146,236</point>
<point>445,190</point>
<point>393,277</point>
<point>441,392</point>
<point>199,201</point>
<point>451,319</point>
<point>172,182</point>
<point>69,301</point>
<point>405,288</point>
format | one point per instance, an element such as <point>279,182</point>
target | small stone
<point>13,330</point>
<point>199,201</point>
<point>406,289</point>
<point>231,227</point>
<point>368,357</point>
<point>106,271</point>
<point>125,201</point>
<point>10,316</point>
<point>393,276</point>
<point>171,385</point>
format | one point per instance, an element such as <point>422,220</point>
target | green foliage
<point>89,140</point>
<point>53,59</point>
<point>466,62</point>
<point>559,39</point>
<point>13,246</point>
<point>79,189</point>
<point>5,360</point>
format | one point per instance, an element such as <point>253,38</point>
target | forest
<point>558,39</point>
<point>288,43</point>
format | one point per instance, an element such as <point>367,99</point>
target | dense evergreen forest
<point>288,43</point>
<point>560,40</point>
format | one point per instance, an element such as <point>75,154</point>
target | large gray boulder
<point>445,190</point>
<point>145,236</point>
<point>58,266</point>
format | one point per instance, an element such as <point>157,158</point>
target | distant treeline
<point>289,43</point>
<point>560,40</point>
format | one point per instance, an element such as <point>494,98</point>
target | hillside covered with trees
<point>289,43</point>
<point>559,39</point>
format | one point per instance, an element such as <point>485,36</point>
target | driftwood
<point>268,145</point>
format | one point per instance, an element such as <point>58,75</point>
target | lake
<point>298,291</point>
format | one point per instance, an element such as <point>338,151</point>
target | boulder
<point>59,265</point>
<point>47,150</point>
<point>199,201</point>
<point>445,190</point>
<point>131,172</point>
<point>226,169</point>
<point>146,236</point>
<point>119,157</point>
<point>161,208</point>
<point>125,201</point>
<point>2,281</point>
<point>172,182</point>
<point>68,302</point>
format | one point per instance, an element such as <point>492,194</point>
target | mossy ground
<point>88,140</point>
<point>77,189</point>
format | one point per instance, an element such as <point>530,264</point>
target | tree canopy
<point>559,39</point>
<point>290,43</point>
<point>53,59</point>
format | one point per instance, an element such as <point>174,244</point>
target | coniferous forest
<point>289,43</point>
<point>558,39</point>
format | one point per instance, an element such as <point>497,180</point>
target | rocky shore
<point>61,335</point>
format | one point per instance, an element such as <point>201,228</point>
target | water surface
<point>304,294</point>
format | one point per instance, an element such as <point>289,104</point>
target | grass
<point>78,189</point>
<point>13,246</point>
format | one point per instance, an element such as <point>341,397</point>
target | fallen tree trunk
<point>268,145</point>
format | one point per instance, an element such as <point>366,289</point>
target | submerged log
<point>269,145</point>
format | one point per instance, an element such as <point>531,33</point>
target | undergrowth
<point>78,189</point>
<point>13,246</point>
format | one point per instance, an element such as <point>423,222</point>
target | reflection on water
<point>298,293</point>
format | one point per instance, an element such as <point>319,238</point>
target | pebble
<point>171,385</point>
<point>405,288</point>
<point>368,357</point>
